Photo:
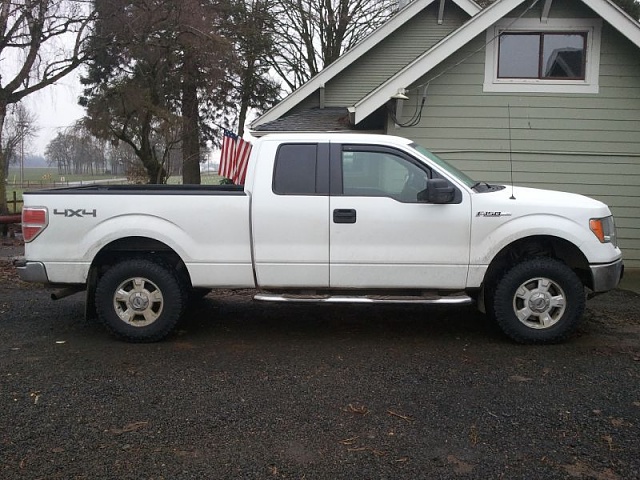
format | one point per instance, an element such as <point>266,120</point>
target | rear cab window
<point>301,169</point>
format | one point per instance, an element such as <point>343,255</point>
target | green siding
<point>392,54</point>
<point>582,143</point>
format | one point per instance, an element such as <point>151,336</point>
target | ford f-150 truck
<point>326,218</point>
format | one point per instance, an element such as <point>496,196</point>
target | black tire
<point>540,300</point>
<point>139,300</point>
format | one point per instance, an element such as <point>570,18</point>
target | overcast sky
<point>55,108</point>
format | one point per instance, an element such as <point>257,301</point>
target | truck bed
<point>97,189</point>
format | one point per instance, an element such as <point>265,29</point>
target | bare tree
<point>19,129</point>
<point>59,153</point>
<point>41,41</point>
<point>311,34</point>
<point>76,150</point>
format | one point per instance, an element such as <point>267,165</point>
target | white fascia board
<point>437,54</point>
<point>618,18</point>
<point>468,6</point>
<point>395,22</point>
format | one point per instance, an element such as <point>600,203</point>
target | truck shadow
<point>241,317</point>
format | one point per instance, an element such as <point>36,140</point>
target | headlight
<point>604,229</point>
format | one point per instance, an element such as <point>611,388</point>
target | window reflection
<point>542,55</point>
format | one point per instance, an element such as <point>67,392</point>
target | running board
<point>388,299</point>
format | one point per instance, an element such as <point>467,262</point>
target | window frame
<point>338,190</point>
<point>592,27</point>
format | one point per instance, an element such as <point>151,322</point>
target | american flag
<point>234,157</point>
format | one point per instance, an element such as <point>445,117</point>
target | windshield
<point>469,182</point>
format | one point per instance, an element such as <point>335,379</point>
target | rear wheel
<point>540,300</point>
<point>139,300</point>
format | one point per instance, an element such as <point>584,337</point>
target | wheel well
<point>134,247</point>
<point>537,246</point>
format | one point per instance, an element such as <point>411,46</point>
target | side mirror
<point>438,191</point>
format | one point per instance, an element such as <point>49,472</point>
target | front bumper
<point>34,272</point>
<point>607,276</point>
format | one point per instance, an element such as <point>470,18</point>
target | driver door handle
<point>344,215</point>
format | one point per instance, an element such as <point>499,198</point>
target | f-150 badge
<point>493,214</point>
<point>72,212</point>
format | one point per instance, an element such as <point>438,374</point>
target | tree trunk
<point>3,181</point>
<point>190,129</point>
<point>247,91</point>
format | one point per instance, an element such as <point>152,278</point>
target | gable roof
<point>395,22</point>
<point>609,11</point>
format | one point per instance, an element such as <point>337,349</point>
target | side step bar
<point>458,299</point>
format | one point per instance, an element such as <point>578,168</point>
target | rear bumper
<point>34,272</point>
<point>607,276</point>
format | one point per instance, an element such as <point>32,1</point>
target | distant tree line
<point>75,150</point>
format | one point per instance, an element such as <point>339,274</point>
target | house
<point>545,91</point>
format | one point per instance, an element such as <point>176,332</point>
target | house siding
<point>582,143</point>
<point>392,54</point>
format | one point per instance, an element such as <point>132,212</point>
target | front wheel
<point>540,300</point>
<point>139,300</point>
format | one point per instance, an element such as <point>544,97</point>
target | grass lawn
<point>48,176</point>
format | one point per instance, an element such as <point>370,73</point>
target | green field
<point>48,176</point>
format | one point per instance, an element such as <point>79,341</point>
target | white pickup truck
<point>326,218</point>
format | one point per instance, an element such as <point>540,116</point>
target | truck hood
<point>550,198</point>
<point>534,201</point>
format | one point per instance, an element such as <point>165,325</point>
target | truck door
<point>381,235</point>
<point>290,215</point>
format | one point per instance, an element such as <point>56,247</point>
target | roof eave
<point>617,17</point>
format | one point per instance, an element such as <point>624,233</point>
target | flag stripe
<point>243,150</point>
<point>227,155</point>
<point>234,157</point>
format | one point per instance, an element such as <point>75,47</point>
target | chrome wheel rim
<point>539,303</point>
<point>138,302</point>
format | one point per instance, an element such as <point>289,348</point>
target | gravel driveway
<point>251,390</point>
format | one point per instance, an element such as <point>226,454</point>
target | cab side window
<point>381,174</point>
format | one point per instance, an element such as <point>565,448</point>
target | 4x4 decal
<point>71,212</point>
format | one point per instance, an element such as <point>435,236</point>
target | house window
<point>542,55</point>
<point>560,56</point>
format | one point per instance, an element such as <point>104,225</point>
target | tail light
<point>34,221</point>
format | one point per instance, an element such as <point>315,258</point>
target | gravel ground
<point>251,390</point>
